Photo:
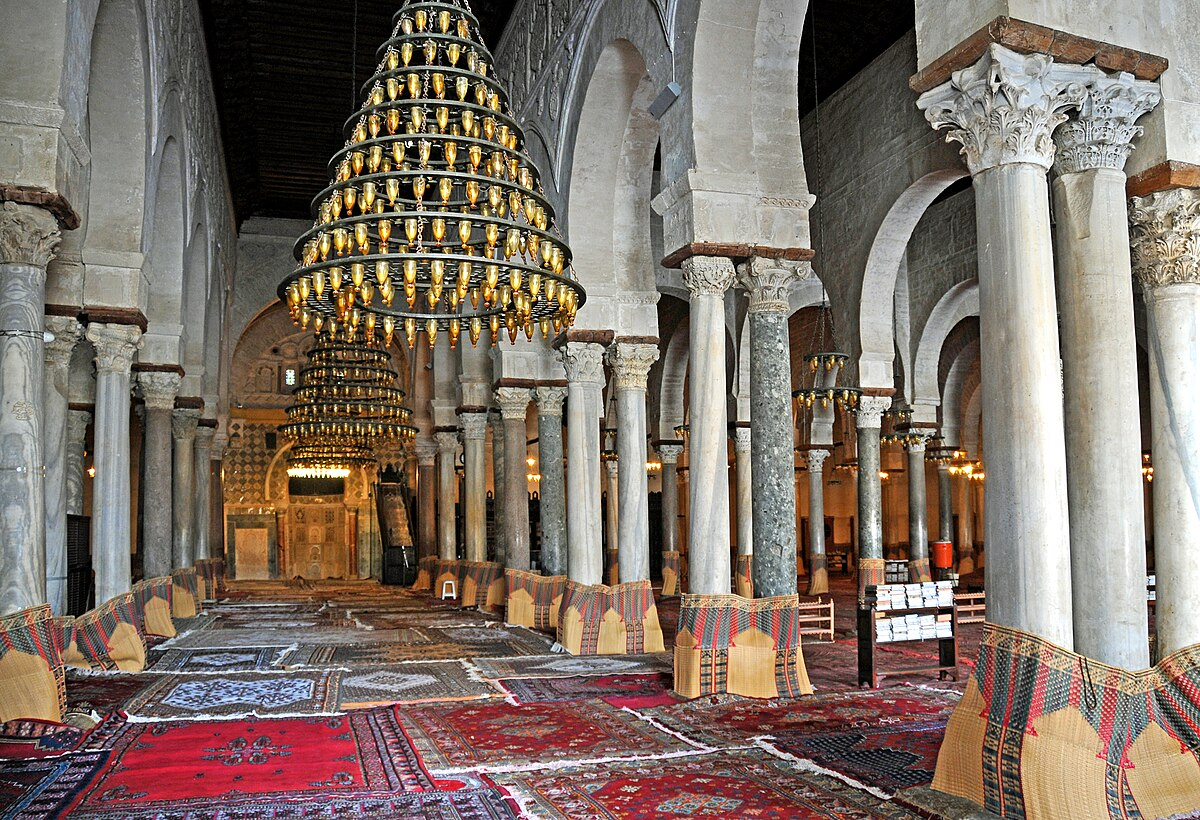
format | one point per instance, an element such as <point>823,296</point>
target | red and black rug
<point>633,691</point>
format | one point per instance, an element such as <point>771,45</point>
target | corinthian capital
<point>183,424</point>
<point>631,364</point>
<point>1164,230</point>
<point>447,442</point>
<point>513,402</point>
<point>66,331</point>
<point>474,426</point>
<point>159,389</point>
<point>768,282</point>
<point>870,410</point>
<point>710,275</point>
<point>741,439</point>
<point>1004,108</point>
<point>1101,134</point>
<point>669,453</point>
<point>115,347</point>
<point>550,399</point>
<point>816,460</point>
<point>584,363</point>
<point>28,235</point>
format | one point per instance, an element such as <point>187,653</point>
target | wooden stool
<point>449,589</point>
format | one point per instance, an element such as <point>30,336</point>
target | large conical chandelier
<point>434,219</point>
<point>345,407</point>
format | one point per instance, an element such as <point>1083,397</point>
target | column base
<point>870,574</point>
<point>743,576</point>
<point>32,681</point>
<point>674,570</point>
<point>534,600</point>
<point>483,586</point>
<point>109,637</point>
<point>727,643</point>
<point>818,581</point>
<point>609,620</point>
<point>918,570</point>
<point>425,569</point>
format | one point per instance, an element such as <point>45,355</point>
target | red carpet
<point>32,739</point>
<point>634,691</point>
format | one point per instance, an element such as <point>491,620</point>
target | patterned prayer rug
<point>176,766</point>
<point>214,660</point>
<point>730,719</point>
<point>887,757</point>
<point>30,739</point>
<point>722,785</point>
<point>522,641</point>
<point>635,691</point>
<point>242,638</point>
<point>497,735</point>
<point>565,666</point>
<point>307,655</point>
<point>242,693</point>
<point>412,683</point>
<point>43,788</point>
<point>102,693</point>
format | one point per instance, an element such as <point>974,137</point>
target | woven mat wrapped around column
<point>110,636</point>
<point>32,680</point>
<point>918,570</point>
<point>154,597</point>
<point>750,647</point>
<point>185,602</point>
<point>609,620</point>
<point>870,574</point>
<point>533,599</point>
<point>425,569</point>
<point>483,585</point>
<point>818,581</point>
<point>743,576</point>
<point>612,569</point>
<point>672,573</point>
<point>206,578</point>
<point>448,570</point>
<point>1044,732</point>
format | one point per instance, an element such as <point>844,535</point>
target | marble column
<point>447,444</point>
<point>474,490</point>
<point>631,364</point>
<point>709,572</point>
<point>514,405</point>
<point>76,457</point>
<point>918,522</point>
<point>870,506</point>
<point>499,509</point>
<point>612,548</point>
<point>183,425</point>
<point>1165,228</point>
<point>1100,379</point>
<point>158,392</point>
<point>427,492</point>
<point>744,486</point>
<point>669,455</point>
<point>1003,110</point>
<point>115,347</point>
<point>202,509</point>
<point>29,236</point>
<point>945,504</point>
<point>818,581</point>
<point>216,496</point>
<point>774,506</point>
<point>584,363</point>
<point>553,560</point>
<point>66,331</point>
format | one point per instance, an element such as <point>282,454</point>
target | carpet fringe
<point>563,764</point>
<point>558,648</point>
<point>133,718</point>
<point>672,732</point>
<point>804,764</point>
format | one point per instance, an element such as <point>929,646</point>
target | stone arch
<point>875,328</point>
<point>972,417</point>
<point>672,411</point>
<point>956,304</point>
<point>164,263</point>
<point>965,362</point>
<point>116,130</point>
<point>194,304</point>
<point>609,196</point>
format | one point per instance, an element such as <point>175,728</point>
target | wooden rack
<point>868,672</point>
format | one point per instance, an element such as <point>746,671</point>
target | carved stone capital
<point>1164,232</point>
<point>612,467</point>
<point>741,439</point>
<point>870,410</point>
<point>159,389</point>
<point>426,451</point>
<point>711,275</point>
<point>816,460</point>
<point>669,453</point>
<point>67,332</point>
<point>447,443</point>
<point>183,424</point>
<point>28,235</point>
<point>473,425</point>
<point>584,363</point>
<point>1101,134</point>
<point>77,423</point>
<point>1004,108</point>
<point>768,282</point>
<point>204,438</point>
<point>513,402</point>
<point>550,400</point>
<point>631,364</point>
<point>915,445</point>
<point>115,347</point>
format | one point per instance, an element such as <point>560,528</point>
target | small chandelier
<point>824,390</point>
<point>435,219</point>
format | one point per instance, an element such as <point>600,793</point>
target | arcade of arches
<point>875,294</point>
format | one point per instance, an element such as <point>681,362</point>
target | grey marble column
<point>66,331</point>
<point>499,508</point>
<point>158,392</point>
<point>1003,110</point>
<point>29,237</point>
<point>427,492</point>
<point>183,425</point>
<point>818,580</point>
<point>774,506</point>
<point>612,548</point>
<point>474,490</point>
<point>870,507</point>
<point>202,510</point>
<point>631,364</point>
<point>514,405</point>
<point>744,495</point>
<point>1100,380</point>
<point>447,444</point>
<point>1165,229</point>
<point>76,457</point>
<point>945,505</point>
<point>669,455</point>
<point>709,571</point>
<point>584,363</point>
<point>553,490</point>
<point>115,347</point>
<point>918,517</point>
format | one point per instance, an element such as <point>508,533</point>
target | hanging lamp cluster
<point>346,407</point>
<point>825,368</point>
<point>434,220</point>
